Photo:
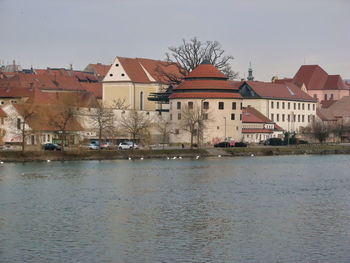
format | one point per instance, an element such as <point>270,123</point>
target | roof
<point>95,88</point>
<point>284,80</point>
<point>206,81</point>
<point>325,115</point>
<point>287,91</point>
<point>251,115</point>
<point>327,103</point>
<point>100,69</point>
<point>2,113</point>
<point>315,78</point>
<point>206,71</point>
<point>205,95</point>
<point>246,130</point>
<point>340,108</point>
<point>43,116</point>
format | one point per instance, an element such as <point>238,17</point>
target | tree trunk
<point>191,139</point>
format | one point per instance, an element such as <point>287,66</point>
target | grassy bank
<point>83,154</point>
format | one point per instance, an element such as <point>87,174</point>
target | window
<point>303,106</point>
<point>206,105</point>
<point>294,118</point>
<point>315,96</point>
<point>282,117</point>
<point>288,105</point>
<point>271,104</point>
<point>295,106</point>
<point>117,65</point>
<point>302,118</point>
<point>299,118</point>
<point>48,137</point>
<point>123,74</point>
<point>308,118</point>
<point>308,106</point>
<point>18,124</point>
<point>332,96</point>
<point>171,117</point>
<point>233,105</point>
<point>221,105</point>
<point>179,116</point>
<point>111,75</point>
<point>232,116</point>
<point>241,105</point>
<point>190,105</point>
<point>278,117</point>
<point>2,121</point>
<point>272,116</point>
<point>2,102</point>
<point>278,104</point>
<point>205,116</point>
<point>282,105</point>
<point>288,117</point>
<point>177,131</point>
<point>298,106</point>
<point>325,96</point>
<point>240,117</point>
<point>178,105</point>
<point>141,100</point>
<point>313,106</point>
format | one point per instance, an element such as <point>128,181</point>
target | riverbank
<point>83,154</point>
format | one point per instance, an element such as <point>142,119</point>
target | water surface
<point>261,209</point>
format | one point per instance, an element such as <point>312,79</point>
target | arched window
<point>141,100</point>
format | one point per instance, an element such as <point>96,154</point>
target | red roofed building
<point>284,103</point>
<point>133,80</point>
<point>208,91</point>
<point>319,84</point>
<point>99,70</point>
<point>257,127</point>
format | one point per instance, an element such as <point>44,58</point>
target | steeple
<point>250,72</point>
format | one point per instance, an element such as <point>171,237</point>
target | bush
<point>274,141</point>
<point>240,144</point>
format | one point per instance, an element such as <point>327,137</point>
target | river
<point>251,209</point>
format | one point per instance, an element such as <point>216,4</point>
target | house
<point>208,95</point>
<point>99,70</point>
<point>319,84</point>
<point>283,103</point>
<point>132,80</point>
<point>256,127</point>
<point>3,119</point>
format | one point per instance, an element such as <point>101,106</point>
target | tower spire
<point>250,72</point>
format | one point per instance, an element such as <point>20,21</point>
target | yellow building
<point>132,80</point>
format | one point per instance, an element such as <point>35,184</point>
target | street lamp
<point>225,128</point>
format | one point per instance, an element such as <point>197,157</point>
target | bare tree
<point>194,120</point>
<point>103,121</point>
<point>165,129</point>
<point>26,112</point>
<point>321,130</point>
<point>136,124</point>
<point>120,104</point>
<point>190,54</point>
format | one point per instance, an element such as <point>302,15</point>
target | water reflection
<point>271,209</point>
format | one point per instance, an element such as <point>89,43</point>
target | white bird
<point>174,157</point>
<point>129,158</point>
<point>180,157</point>
<point>197,157</point>
<point>48,161</point>
<point>252,155</point>
<point>1,162</point>
<point>167,158</point>
<point>141,158</point>
<point>219,155</point>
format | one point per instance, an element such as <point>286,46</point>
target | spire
<point>250,72</point>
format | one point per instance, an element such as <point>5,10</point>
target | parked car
<point>274,141</point>
<point>94,145</point>
<point>127,145</point>
<point>223,144</point>
<point>52,147</point>
<point>105,146</point>
<point>240,144</point>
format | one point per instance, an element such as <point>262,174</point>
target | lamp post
<point>225,128</point>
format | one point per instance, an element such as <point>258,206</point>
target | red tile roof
<point>207,84</point>
<point>341,108</point>
<point>135,69</point>
<point>206,71</point>
<point>325,115</point>
<point>245,130</point>
<point>207,95</point>
<point>95,88</point>
<point>287,91</point>
<point>315,78</point>
<point>251,115</point>
<point>100,69</point>
<point>326,103</point>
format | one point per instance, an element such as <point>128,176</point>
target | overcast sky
<point>277,36</point>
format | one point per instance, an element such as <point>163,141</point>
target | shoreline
<point>33,156</point>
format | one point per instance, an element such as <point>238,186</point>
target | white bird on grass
<point>197,157</point>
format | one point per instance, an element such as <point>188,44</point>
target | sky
<point>276,36</point>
